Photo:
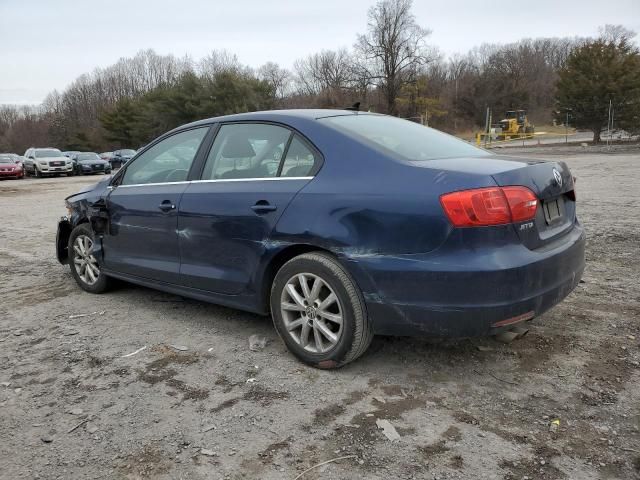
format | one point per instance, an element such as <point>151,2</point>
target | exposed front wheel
<point>84,265</point>
<point>319,312</point>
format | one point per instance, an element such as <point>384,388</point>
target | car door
<point>227,215</point>
<point>142,208</point>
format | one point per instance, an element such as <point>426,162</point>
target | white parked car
<point>46,161</point>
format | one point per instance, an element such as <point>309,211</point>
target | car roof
<point>276,115</point>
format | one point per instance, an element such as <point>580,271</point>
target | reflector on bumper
<point>512,320</point>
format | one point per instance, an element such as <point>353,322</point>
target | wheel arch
<point>276,262</point>
<point>359,277</point>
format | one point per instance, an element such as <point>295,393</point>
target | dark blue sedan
<point>340,224</point>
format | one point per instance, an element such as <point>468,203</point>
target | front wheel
<point>84,265</point>
<point>319,312</point>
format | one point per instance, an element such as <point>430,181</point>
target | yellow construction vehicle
<point>514,125</point>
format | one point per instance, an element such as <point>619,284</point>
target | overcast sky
<point>46,44</point>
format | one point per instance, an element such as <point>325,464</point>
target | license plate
<point>552,210</point>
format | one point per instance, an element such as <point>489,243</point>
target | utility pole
<point>487,126</point>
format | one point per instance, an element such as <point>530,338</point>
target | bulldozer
<point>514,125</point>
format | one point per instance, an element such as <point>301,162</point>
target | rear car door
<point>252,172</point>
<point>142,208</point>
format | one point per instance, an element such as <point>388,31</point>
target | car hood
<point>95,161</point>
<point>8,164</point>
<point>51,159</point>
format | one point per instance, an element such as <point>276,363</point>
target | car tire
<point>36,172</point>
<point>90,278</point>
<point>300,320</point>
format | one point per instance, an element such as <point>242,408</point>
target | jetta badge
<point>558,177</point>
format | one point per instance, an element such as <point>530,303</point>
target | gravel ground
<point>74,405</point>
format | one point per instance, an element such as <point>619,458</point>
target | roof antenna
<point>355,107</point>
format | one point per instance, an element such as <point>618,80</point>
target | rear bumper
<point>468,292</point>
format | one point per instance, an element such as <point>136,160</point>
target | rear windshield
<point>409,140</point>
<point>48,153</point>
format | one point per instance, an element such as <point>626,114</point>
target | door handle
<point>166,206</point>
<point>263,206</point>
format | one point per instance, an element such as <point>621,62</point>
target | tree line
<point>391,68</point>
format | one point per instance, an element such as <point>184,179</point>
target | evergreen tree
<point>596,73</point>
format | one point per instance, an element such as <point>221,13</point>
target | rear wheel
<point>84,265</point>
<point>319,312</point>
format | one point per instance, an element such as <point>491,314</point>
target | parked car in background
<point>123,156</point>
<point>46,161</point>
<point>86,163</point>
<point>70,153</point>
<point>108,157</point>
<point>19,159</point>
<point>10,166</point>
<point>340,224</point>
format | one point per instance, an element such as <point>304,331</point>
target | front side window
<point>409,140</point>
<point>250,150</point>
<point>167,161</point>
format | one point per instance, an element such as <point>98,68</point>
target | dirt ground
<point>73,405</point>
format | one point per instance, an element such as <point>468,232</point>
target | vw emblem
<point>558,177</point>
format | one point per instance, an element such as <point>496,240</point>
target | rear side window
<point>409,140</point>
<point>299,161</point>
<point>250,150</point>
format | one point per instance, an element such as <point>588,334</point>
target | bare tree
<point>328,76</point>
<point>219,61</point>
<point>394,47</point>
<point>279,79</point>
<point>616,33</point>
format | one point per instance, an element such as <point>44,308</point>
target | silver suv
<point>46,161</point>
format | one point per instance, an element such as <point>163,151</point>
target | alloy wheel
<point>311,312</point>
<point>84,262</point>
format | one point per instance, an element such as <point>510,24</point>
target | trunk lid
<point>550,181</point>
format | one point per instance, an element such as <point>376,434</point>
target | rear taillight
<point>489,206</point>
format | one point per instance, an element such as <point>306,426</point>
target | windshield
<point>409,140</point>
<point>88,156</point>
<point>48,153</point>
<point>6,159</point>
